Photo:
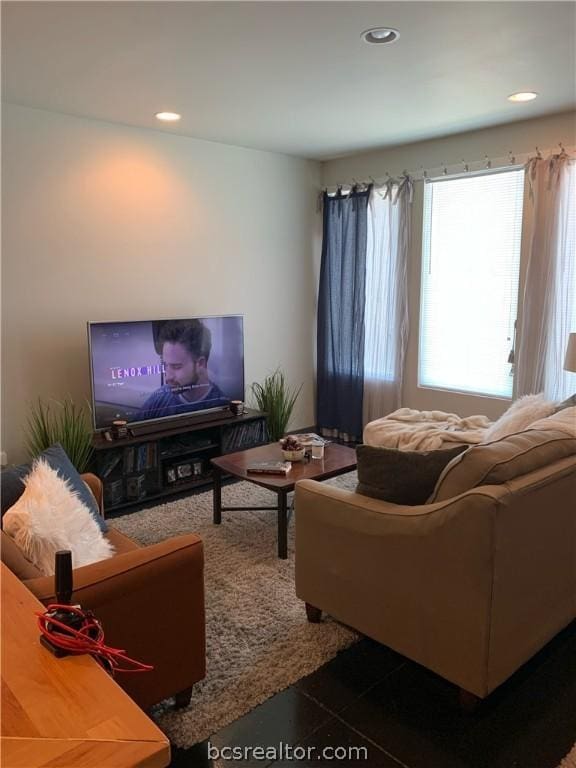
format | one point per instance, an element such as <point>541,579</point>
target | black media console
<point>175,457</point>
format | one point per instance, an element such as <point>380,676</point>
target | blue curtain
<point>341,302</point>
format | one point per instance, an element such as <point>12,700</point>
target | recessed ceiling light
<point>523,96</point>
<point>168,117</point>
<point>379,35</point>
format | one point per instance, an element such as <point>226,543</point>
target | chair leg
<point>313,614</point>
<point>468,701</point>
<point>182,699</point>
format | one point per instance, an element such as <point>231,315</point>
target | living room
<point>286,110</point>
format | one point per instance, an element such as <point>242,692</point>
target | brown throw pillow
<point>401,477</point>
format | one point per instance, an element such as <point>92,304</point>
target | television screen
<point>154,369</point>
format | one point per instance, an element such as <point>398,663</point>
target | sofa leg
<point>313,614</point>
<point>468,701</point>
<point>182,699</point>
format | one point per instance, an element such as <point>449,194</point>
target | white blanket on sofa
<point>410,430</point>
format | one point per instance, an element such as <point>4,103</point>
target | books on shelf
<point>241,436</point>
<point>109,462</point>
<point>139,458</point>
<point>269,467</point>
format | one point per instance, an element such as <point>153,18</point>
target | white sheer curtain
<point>549,306</point>
<point>386,308</point>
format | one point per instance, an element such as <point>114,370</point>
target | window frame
<point>424,248</point>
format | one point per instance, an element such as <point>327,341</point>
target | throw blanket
<point>410,430</point>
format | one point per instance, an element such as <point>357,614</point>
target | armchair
<point>150,601</point>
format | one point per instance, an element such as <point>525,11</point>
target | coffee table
<point>338,459</point>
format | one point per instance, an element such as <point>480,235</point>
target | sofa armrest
<point>347,509</point>
<point>418,579</point>
<point>95,484</point>
<point>98,582</point>
<point>151,603</point>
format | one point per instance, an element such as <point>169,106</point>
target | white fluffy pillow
<point>50,516</point>
<point>519,416</point>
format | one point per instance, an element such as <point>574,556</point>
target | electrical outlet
<point>3,458</point>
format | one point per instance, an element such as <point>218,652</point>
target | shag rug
<point>258,640</point>
<point>570,759</point>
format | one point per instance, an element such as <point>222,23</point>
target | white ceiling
<point>292,77</point>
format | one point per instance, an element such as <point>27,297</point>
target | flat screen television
<point>148,370</point>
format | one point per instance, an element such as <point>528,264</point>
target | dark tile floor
<point>405,716</point>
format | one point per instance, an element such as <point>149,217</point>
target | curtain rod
<point>462,168</point>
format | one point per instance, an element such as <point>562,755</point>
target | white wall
<point>102,221</point>
<point>520,137</point>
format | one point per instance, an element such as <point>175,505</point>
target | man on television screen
<point>185,348</point>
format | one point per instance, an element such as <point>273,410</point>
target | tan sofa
<point>150,601</point>
<point>471,584</point>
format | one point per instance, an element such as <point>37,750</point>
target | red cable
<point>88,639</point>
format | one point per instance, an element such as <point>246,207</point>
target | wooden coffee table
<point>338,459</point>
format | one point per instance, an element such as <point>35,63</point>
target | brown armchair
<point>150,601</point>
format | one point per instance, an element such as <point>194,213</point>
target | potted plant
<point>276,399</point>
<point>64,423</point>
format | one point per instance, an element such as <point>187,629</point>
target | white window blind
<point>470,267</point>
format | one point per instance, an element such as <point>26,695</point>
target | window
<point>470,272</point>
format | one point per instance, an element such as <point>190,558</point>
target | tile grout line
<point>336,716</point>
<point>370,741</point>
<point>352,728</point>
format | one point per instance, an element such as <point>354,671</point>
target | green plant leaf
<point>275,398</point>
<point>60,422</point>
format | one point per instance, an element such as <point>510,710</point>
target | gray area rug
<point>258,639</point>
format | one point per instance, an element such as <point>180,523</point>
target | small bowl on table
<point>292,449</point>
<point>293,455</point>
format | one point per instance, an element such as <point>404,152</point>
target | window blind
<point>470,271</point>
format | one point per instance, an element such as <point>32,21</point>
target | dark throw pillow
<point>401,477</point>
<point>55,456</point>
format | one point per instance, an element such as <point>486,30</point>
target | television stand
<point>161,459</point>
<point>180,424</point>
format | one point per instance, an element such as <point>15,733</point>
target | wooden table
<point>338,459</point>
<point>65,713</point>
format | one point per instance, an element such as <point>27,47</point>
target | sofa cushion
<point>400,477</point>
<point>13,487</point>
<point>563,420</point>
<point>502,460</point>
<point>519,416</point>
<point>49,516</point>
